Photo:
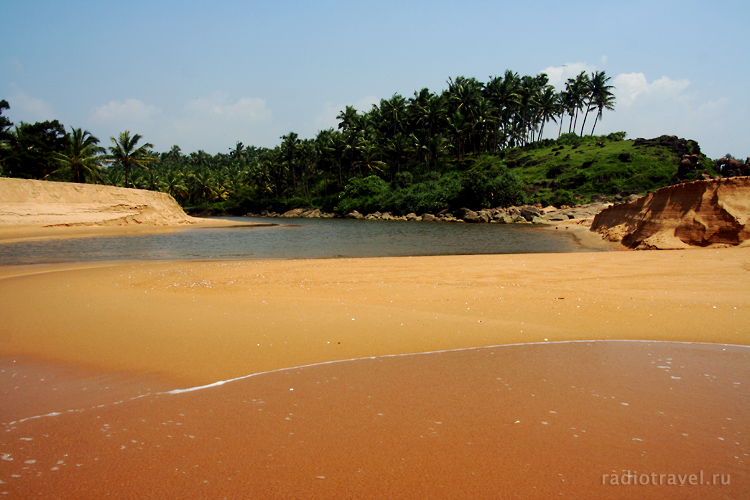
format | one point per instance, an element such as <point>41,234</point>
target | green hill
<point>605,166</point>
<point>568,171</point>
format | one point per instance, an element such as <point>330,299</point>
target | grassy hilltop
<point>568,171</point>
<point>583,167</point>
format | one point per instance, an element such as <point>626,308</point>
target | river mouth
<point>300,238</point>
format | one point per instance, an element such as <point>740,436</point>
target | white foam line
<point>222,382</point>
<point>74,410</point>
<point>278,370</point>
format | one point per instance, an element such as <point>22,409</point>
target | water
<point>299,238</point>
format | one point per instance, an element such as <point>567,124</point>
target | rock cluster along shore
<point>526,214</point>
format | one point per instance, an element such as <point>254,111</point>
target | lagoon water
<point>299,238</point>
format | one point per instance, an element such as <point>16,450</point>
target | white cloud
<point>630,87</point>
<point>649,109</point>
<point>215,107</point>
<point>327,118</point>
<point>214,123</point>
<point>558,75</point>
<point>665,106</point>
<point>130,113</point>
<point>29,108</point>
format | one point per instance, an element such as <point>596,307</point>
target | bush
<point>508,190</point>
<point>364,195</point>
<point>429,196</point>
<point>616,136</point>
<point>498,187</point>
<point>563,197</point>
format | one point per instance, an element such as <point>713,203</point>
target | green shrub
<point>364,195</point>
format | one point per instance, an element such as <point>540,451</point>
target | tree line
<point>400,141</point>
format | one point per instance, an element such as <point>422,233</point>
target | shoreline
<point>19,233</point>
<point>522,374</point>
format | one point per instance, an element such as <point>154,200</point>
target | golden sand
<point>439,425</point>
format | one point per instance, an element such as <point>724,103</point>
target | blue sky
<point>204,75</point>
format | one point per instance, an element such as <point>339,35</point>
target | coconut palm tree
<point>393,113</point>
<point>82,156</point>
<point>601,95</point>
<point>547,109</point>
<point>579,94</point>
<point>126,154</point>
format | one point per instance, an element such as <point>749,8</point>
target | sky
<point>204,75</point>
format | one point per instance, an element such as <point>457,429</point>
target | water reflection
<point>299,238</point>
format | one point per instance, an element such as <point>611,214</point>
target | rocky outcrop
<point>729,167</point>
<point>701,213</point>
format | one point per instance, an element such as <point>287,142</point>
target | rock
<point>472,217</point>
<point>686,170</point>
<point>729,167</point>
<point>460,213</point>
<point>295,212</point>
<point>412,216</point>
<point>528,212</point>
<point>429,218</point>
<point>312,214</point>
<point>632,197</point>
<point>484,216</point>
<point>373,216</point>
<point>354,215</point>
<point>386,216</point>
<point>555,217</point>
<point>701,213</point>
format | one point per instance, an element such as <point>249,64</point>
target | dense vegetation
<point>474,144</point>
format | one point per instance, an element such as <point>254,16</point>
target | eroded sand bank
<point>129,331</point>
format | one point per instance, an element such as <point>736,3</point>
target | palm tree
<point>126,154</point>
<point>601,95</point>
<point>579,92</point>
<point>393,113</point>
<point>547,107</point>
<point>503,92</point>
<point>173,183</point>
<point>203,185</point>
<point>290,147</point>
<point>82,156</point>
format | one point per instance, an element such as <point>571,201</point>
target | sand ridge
<point>31,209</point>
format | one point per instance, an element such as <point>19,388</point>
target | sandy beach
<point>131,332</point>
<point>591,375</point>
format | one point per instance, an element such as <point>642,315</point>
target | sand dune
<point>42,203</point>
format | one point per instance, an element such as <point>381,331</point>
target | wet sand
<point>142,329</point>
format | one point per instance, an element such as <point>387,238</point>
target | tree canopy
<point>403,141</point>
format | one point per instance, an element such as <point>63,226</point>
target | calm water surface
<point>299,238</point>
